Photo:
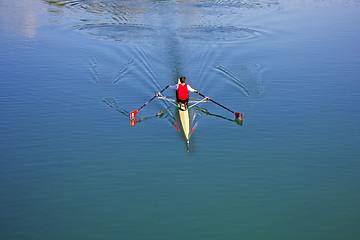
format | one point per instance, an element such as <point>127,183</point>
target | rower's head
<point>183,79</point>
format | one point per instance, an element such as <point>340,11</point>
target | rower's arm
<point>191,89</point>
<point>175,87</point>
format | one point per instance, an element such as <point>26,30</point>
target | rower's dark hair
<point>183,79</point>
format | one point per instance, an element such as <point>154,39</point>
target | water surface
<point>72,168</point>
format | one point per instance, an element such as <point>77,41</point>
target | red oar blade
<point>133,114</point>
<point>239,116</point>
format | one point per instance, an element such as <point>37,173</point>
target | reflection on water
<point>238,121</point>
<point>100,12</point>
<point>23,19</point>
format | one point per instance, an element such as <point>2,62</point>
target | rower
<point>182,91</point>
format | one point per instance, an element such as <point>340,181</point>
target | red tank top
<point>182,92</point>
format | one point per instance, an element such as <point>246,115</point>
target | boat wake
<point>248,78</point>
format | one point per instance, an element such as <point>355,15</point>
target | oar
<point>237,115</point>
<point>134,113</point>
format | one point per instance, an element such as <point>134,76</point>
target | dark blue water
<point>72,168</point>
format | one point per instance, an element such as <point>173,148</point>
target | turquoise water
<point>72,168</point>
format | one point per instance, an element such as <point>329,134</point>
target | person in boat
<point>182,91</point>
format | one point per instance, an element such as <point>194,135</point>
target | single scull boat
<point>184,115</point>
<point>184,119</point>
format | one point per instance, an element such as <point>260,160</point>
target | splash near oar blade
<point>133,114</point>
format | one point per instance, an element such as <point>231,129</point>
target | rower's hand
<point>196,91</point>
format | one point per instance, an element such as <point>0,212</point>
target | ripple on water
<point>247,78</point>
<point>119,32</point>
<point>216,33</point>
